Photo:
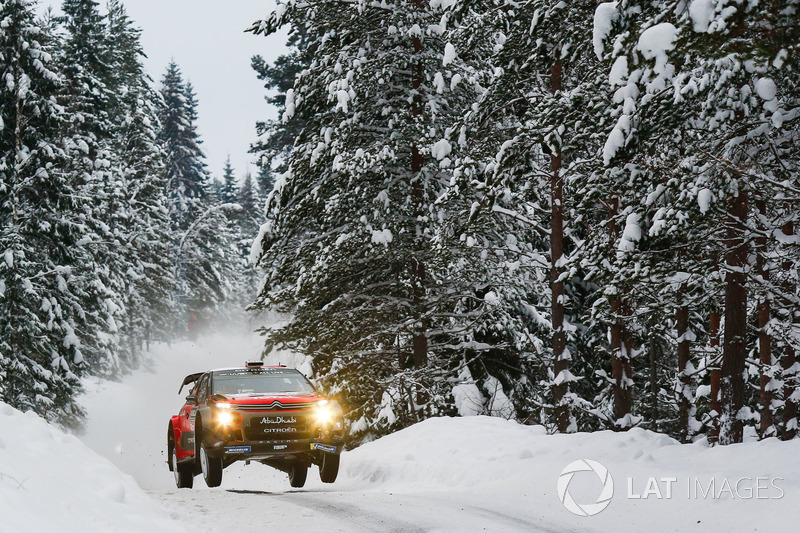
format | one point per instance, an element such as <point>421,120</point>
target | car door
<point>201,393</point>
<point>186,420</point>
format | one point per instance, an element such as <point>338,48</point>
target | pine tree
<point>41,230</point>
<point>229,185</point>
<point>276,137</point>
<point>250,217</point>
<point>186,176</point>
<point>266,181</point>
<point>527,151</point>
<point>203,253</point>
<point>86,68</point>
<point>350,248</point>
<point>149,284</point>
<point>687,132</point>
<point>93,96</point>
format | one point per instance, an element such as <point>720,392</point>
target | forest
<point>113,232</point>
<point>576,214</point>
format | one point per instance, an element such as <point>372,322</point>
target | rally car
<point>269,414</point>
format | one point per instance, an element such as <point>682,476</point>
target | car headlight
<point>323,414</point>
<point>327,414</point>
<point>228,418</point>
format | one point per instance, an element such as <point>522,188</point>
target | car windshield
<point>261,384</point>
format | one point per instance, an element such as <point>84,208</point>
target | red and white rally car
<point>268,414</point>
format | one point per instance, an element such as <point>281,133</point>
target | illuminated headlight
<point>228,418</point>
<point>328,414</point>
<point>223,405</point>
<point>323,414</point>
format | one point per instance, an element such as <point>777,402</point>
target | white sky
<point>206,39</point>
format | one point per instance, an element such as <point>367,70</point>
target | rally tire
<point>329,468</point>
<point>210,467</point>
<point>182,472</point>
<point>298,474</point>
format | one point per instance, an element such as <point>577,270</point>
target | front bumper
<point>268,435</point>
<point>260,450</point>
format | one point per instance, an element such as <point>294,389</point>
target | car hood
<point>258,399</point>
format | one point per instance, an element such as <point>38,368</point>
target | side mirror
<point>191,399</point>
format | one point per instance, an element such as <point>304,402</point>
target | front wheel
<point>211,468</point>
<point>183,472</point>
<point>298,474</point>
<point>329,468</point>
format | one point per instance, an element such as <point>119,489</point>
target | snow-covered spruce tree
<point>248,221</point>
<point>276,137</point>
<point>528,139</point>
<point>83,61</point>
<point>251,216</point>
<point>87,67</point>
<point>350,251</point>
<point>204,251</point>
<point>41,230</point>
<point>229,186</point>
<point>700,127</point>
<point>145,239</point>
<point>186,169</point>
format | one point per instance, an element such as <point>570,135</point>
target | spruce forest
<point>113,233</point>
<point>579,214</point>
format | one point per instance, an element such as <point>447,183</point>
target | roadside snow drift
<point>659,484</point>
<point>51,482</point>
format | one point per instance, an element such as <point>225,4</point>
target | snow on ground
<point>51,482</point>
<point>446,474</point>
<point>513,469</point>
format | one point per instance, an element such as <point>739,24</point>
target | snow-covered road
<point>444,474</point>
<point>340,510</point>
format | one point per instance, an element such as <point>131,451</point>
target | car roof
<point>254,370</point>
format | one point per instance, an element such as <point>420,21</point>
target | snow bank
<point>50,481</point>
<point>512,468</point>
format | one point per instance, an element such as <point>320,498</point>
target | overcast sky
<point>207,41</point>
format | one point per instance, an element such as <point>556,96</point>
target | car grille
<point>274,406</point>
<point>279,427</point>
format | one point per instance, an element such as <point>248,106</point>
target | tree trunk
<point>652,353</point>
<point>621,343</point>
<point>734,349</point>
<point>684,396</point>
<point>789,359</point>
<point>420,339</point>
<point>715,375</point>
<point>767,425</point>
<point>560,357</point>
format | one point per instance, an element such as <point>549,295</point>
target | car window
<point>261,384</point>
<point>202,390</point>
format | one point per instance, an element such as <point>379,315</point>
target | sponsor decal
<point>324,447</point>
<point>279,430</point>
<point>279,420</point>
<point>238,449</point>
